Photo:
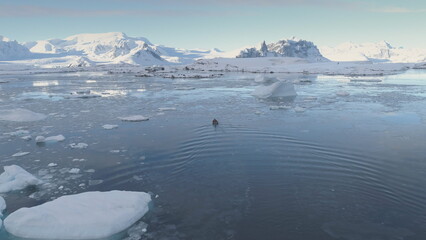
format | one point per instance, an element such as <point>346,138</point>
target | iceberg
<point>16,178</point>
<point>276,90</point>
<point>20,115</point>
<point>89,215</point>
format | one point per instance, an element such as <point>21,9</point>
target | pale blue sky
<point>225,24</point>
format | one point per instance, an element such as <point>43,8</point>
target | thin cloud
<point>281,3</point>
<point>38,11</point>
<point>398,10</point>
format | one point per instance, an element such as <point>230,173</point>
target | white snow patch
<point>16,178</point>
<point>20,115</point>
<point>89,215</point>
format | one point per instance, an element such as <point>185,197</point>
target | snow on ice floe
<point>78,145</point>
<point>134,118</point>
<point>276,90</point>
<point>109,126</point>
<point>20,154</point>
<point>20,115</point>
<point>16,178</point>
<point>89,215</point>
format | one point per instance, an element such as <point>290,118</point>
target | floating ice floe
<point>299,109</point>
<point>52,165</point>
<point>40,139</point>
<point>27,138</point>
<point>74,171</point>
<point>342,94</point>
<point>79,145</point>
<point>134,118</point>
<point>109,126</point>
<point>58,138</point>
<point>2,208</point>
<point>89,215</point>
<point>276,90</point>
<point>16,178</point>
<point>20,115</point>
<point>19,133</point>
<point>20,154</point>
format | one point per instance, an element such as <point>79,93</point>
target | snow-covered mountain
<point>115,47</point>
<point>285,48</point>
<point>12,50</point>
<point>375,52</point>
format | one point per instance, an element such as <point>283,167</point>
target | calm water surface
<point>346,168</point>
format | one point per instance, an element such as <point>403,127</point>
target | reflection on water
<point>346,168</point>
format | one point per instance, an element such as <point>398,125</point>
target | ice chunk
<point>19,133</point>
<point>134,118</point>
<point>27,138</point>
<point>299,109</point>
<point>58,138</point>
<point>74,170</point>
<point>264,79</point>
<point>89,215</point>
<point>40,139</point>
<point>276,90</point>
<point>342,94</point>
<point>79,145</point>
<point>52,165</point>
<point>2,208</point>
<point>16,178</point>
<point>109,126</point>
<point>20,115</point>
<point>20,154</point>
